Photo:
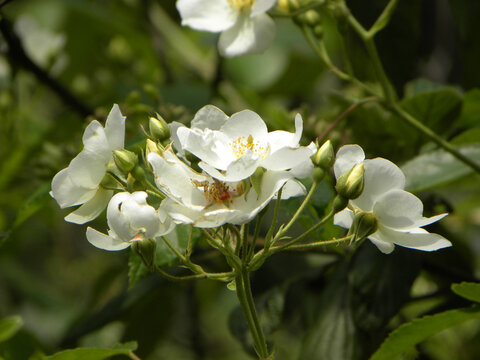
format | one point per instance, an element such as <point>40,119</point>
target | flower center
<point>218,191</point>
<point>241,4</point>
<point>242,144</point>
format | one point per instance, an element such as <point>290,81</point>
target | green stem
<point>395,108</point>
<point>383,19</point>
<point>312,245</point>
<point>244,294</point>
<point>225,276</point>
<point>295,216</point>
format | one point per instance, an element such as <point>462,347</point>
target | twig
<point>19,57</point>
<point>343,115</point>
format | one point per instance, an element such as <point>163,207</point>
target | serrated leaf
<point>467,290</point>
<point>411,334</point>
<point>136,269</point>
<point>94,353</point>
<point>9,327</point>
<point>438,167</point>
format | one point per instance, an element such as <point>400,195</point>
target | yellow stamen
<point>241,145</point>
<point>242,4</point>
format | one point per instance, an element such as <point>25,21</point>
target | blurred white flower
<point>79,183</point>
<point>244,26</point>
<point>399,214</point>
<point>130,219</point>
<point>232,148</point>
<point>198,199</point>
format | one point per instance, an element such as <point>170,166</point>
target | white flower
<point>239,144</point>
<point>244,26</point>
<point>79,183</point>
<point>195,198</point>
<point>399,213</point>
<point>130,219</point>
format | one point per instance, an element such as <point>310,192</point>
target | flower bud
<point>318,174</point>
<point>350,185</point>
<point>364,224</point>
<point>325,156</point>
<point>287,6</point>
<point>339,203</point>
<point>125,160</point>
<point>146,249</point>
<point>318,32</point>
<point>312,18</point>
<point>152,146</point>
<point>159,129</point>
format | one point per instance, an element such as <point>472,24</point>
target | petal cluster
<point>232,148</point>
<point>399,214</point>
<point>130,219</point>
<point>243,24</point>
<point>79,183</point>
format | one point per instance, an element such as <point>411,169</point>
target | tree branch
<point>17,55</point>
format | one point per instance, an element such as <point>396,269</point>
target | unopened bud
<point>146,249</point>
<point>318,32</point>
<point>350,185</point>
<point>339,203</point>
<point>364,224</point>
<point>125,160</point>
<point>312,18</point>
<point>287,6</point>
<point>159,129</point>
<point>318,174</point>
<point>325,156</point>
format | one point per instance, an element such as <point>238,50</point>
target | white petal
<point>91,209</point>
<point>117,219</point>
<point>175,178</point>
<point>280,139</point>
<point>207,15</point>
<point>209,117</point>
<point>87,169</point>
<point>174,126</point>
<point>238,170</point>
<point>381,176</point>
<point>115,128</point>
<point>105,242</point>
<point>401,210</point>
<point>344,218</point>
<point>292,188</point>
<point>287,158</point>
<point>95,140</point>
<point>141,216</point>
<point>303,170</point>
<point>247,36</point>
<point>209,146</point>
<point>245,123</point>
<point>418,239</point>
<point>347,157</point>
<point>383,246</point>
<point>66,193</point>
<point>261,6</point>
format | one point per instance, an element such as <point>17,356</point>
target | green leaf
<point>136,269</point>
<point>470,115</point>
<point>438,167</point>
<point>467,290</point>
<point>179,239</point>
<point>411,334</point>
<point>94,353</point>
<point>9,327</point>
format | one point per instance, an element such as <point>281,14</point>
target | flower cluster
<point>225,170</point>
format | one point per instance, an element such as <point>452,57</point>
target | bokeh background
<point>65,62</point>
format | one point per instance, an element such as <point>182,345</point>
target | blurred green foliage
<point>330,304</point>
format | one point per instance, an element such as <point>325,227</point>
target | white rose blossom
<point>79,183</point>
<point>232,148</point>
<point>130,219</point>
<point>197,199</point>
<point>399,214</point>
<point>243,24</point>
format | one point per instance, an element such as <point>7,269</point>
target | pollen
<point>242,144</point>
<point>218,191</point>
<point>242,4</point>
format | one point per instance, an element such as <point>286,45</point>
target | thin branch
<point>19,57</point>
<point>344,114</point>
